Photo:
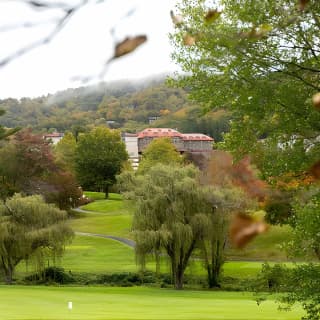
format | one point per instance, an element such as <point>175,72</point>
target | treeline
<point>127,106</point>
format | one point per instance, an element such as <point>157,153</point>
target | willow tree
<point>30,228</point>
<point>160,150</point>
<point>170,216</point>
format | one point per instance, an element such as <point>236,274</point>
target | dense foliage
<point>27,165</point>
<point>160,150</point>
<point>259,60</point>
<point>129,107</point>
<point>99,157</point>
<point>30,228</point>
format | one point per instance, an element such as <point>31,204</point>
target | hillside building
<point>184,142</point>
<point>53,137</point>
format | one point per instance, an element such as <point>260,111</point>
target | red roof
<point>195,137</point>
<point>159,132</point>
<point>167,132</point>
<point>53,135</point>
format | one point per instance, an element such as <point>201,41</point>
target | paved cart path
<point>128,242</point>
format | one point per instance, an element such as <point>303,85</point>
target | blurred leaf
<point>256,32</point>
<point>212,15</point>
<point>189,40</point>
<point>316,100</point>
<point>176,19</point>
<point>302,4</point>
<point>128,45</point>
<point>245,228</point>
<point>315,170</point>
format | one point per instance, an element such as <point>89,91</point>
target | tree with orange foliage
<point>239,188</point>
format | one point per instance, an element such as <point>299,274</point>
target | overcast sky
<point>83,46</point>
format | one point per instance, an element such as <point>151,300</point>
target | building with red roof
<point>53,137</point>
<point>184,142</point>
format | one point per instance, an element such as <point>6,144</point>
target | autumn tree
<point>239,189</point>
<point>98,159</point>
<point>27,165</point>
<point>160,150</point>
<point>260,60</point>
<point>30,228</point>
<point>24,161</point>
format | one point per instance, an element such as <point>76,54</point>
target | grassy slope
<point>98,255</point>
<point>116,225</point>
<point>265,247</point>
<point>111,216</point>
<point>94,303</point>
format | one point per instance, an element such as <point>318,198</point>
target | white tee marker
<point>70,305</point>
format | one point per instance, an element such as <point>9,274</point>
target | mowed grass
<point>113,203</point>
<point>94,195</point>
<point>97,303</point>
<point>109,216</point>
<point>265,247</point>
<point>91,255</point>
<point>109,224</point>
<point>98,255</point>
<point>111,220</point>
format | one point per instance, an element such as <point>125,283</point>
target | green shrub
<point>51,275</point>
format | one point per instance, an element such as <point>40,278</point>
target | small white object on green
<point>70,305</point>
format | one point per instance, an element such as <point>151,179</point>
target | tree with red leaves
<point>27,165</point>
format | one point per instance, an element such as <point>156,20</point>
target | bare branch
<point>47,39</point>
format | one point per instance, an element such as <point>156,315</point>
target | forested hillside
<point>128,106</point>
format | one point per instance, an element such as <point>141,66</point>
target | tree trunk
<point>8,274</point>
<point>213,277</point>
<point>178,278</point>
<point>8,269</point>
<point>106,192</point>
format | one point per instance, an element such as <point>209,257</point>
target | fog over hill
<point>128,105</point>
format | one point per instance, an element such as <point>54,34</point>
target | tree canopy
<point>259,60</point>
<point>98,158</point>
<point>30,228</point>
<point>160,150</point>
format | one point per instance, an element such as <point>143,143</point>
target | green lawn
<point>94,195</point>
<point>95,255</point>
<point>98,255</point>
<point>264,247</point>
<point>92,255</point>
<point>110,224</point>
<point>97,303</point>
<point>114,203</point>
<point>110,216</point>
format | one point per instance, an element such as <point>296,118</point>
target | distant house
<point>153,119</point>
<point>184,142</point>
<point>131,142</point>
<point>54,137</point>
